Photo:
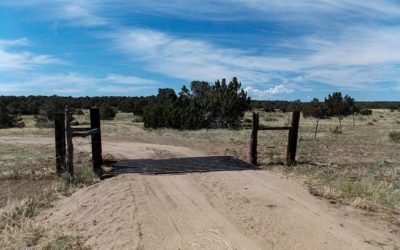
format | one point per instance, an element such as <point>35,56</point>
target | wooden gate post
<point>70,146</point>
<point>253,139</point>
<point>293,135</point>
<point>59,130</point>
<point>96,140</point>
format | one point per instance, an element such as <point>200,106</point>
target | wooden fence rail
<point>292,138</point>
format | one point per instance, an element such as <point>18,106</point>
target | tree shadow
<point>180,165</point>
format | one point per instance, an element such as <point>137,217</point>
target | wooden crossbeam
<point>84,133</point>
<point>80,128</point>
<point>275,128</point>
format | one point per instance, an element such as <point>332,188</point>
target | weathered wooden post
<point>70,146</point>
<point>253,139</point>
<point>96,140</point>
<point>59,130</point>
<point>293,135</point>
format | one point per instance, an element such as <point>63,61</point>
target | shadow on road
<point>180,165</point>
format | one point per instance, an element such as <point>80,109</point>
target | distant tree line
<point>32,105</point>
<point>193,100</point>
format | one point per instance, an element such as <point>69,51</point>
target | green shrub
<point>247,120</point>
<point>8,119</point>
<point>395,136</point>
<point>366,112</point>
<point>220,105</point>
<point>42,120</point>
<point>107,113</point>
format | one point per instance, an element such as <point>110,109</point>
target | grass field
<point>359,166</point>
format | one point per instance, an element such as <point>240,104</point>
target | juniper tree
<point>339,106</point>
<point>8,119</point>
<point>317,110</point>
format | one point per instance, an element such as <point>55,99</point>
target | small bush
<point>273,154</point>
<point>42,120</point>
<point>247,120</point>
<point>336,130</point>
<point>395,136</point>
<point>366,112</point>
<point>9,119</point>
<point>107,113</point>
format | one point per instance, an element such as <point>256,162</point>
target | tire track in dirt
<point>282,215</point>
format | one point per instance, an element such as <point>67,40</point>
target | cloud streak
<point>270,92</point>
<point>74,83</point>
<point>22,60</point>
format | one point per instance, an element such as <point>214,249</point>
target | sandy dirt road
<point>247,209</point>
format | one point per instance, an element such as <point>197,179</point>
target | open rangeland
<point>343,194</point>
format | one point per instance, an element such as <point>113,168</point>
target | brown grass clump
<point>29,185</point>
<point>18,230</point>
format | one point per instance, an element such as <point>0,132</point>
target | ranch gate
<point>64,133</point>
<point>292,138</point>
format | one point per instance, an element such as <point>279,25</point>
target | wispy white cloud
<point>128,80</point>
<point>81,13</point>
<point>92,12</point>
<point>76,13</point>
<point>12,43</point>
<point>74,83</point>
<point>11,60</point>
<point>270,92</point>
<point>306,9</point>
<point>120,90</point>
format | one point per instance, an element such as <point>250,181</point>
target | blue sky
<point>279,49</point>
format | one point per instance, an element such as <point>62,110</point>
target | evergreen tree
<point>9,119</point>
<point>317,110</point>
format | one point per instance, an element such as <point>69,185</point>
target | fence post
<point>253,140</point>
<point>59,130</point>
<point>293,135</point>
<point>96,140</point>
<point>70,146</point>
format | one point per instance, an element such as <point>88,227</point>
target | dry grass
<point>18,230</point>
<point>29,185</point>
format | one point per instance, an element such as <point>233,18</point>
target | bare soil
<point>231,209</point>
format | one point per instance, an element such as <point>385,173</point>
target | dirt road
<point>243,209</point>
